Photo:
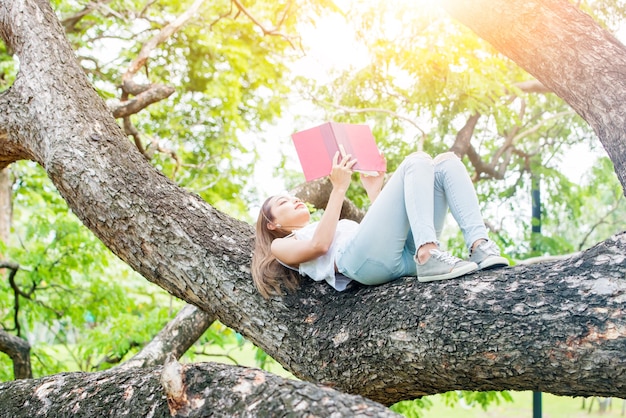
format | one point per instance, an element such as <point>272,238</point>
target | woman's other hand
<point>341,173</point>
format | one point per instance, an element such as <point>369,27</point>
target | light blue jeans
<point>409,212</point>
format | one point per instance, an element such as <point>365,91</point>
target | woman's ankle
<point>477,243</point>
<point>423,252</point>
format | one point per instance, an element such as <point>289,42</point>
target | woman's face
<point>288,212</point>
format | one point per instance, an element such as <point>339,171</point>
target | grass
<point>522,406</point>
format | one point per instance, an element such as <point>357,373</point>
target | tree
<point>193,142</point>
<point>556,327</point>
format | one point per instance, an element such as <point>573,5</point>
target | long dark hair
<point>268,274</point>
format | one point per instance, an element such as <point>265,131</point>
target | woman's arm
<point>292,251</point>
<point>373,185</point>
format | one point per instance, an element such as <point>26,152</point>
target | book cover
<point>317,146</point>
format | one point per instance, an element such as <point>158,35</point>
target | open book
<point>317,146</point>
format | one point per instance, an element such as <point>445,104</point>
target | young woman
<point>397,237</point>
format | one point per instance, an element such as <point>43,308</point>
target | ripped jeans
<point>410,211</point>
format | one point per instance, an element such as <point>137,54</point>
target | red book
<point>317,146</point>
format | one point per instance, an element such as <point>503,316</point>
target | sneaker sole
<point>493,263</point>
<point>461,271</point>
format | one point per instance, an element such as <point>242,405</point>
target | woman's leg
<point>381,250</point>
<point>454,189</point>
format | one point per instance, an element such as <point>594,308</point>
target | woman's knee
<point>445,156</point>
<point>420,155</point>
<point>418,158</point>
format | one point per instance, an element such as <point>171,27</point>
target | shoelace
<point>490,248</point>
<point>445,257</point>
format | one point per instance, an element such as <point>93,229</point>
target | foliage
<point>229,78</point>
<point>413,409</point>
<point>73,292</point>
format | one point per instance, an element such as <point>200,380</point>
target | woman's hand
<point>341,173</point>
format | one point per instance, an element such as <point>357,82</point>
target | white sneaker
<point>487,256</point>
<point>442,265</point>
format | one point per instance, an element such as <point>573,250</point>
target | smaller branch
<point>532,86</point>
<point>159,38</point>
<point>174,339</point>
<point>19,352</point>
<point>129,129</point>
<point>14,267</point>
<point>151,94</point>
<point>69,23</point>
<point>464,136</point>
<point>273,31</point>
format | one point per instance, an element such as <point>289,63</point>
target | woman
<point>397,237</point>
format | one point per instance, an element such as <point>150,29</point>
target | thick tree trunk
<point>192,390</point>
<point>174,339</point>
<point>556,327</point>
<point>567,52</point>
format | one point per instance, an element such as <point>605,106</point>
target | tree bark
<point>567,52</point>
<point>174,339</point>
<point>191,390</point>
<point>555,327</point>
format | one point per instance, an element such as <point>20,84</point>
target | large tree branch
<point>192,390</point>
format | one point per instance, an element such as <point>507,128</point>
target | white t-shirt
<point>323,267</point>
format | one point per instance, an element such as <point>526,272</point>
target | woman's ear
<point>272,226</point>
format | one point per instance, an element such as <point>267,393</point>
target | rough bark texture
<point>174,339</point>
<point>193,390</point>
<point>567,52</point>
<point>555,327</point>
